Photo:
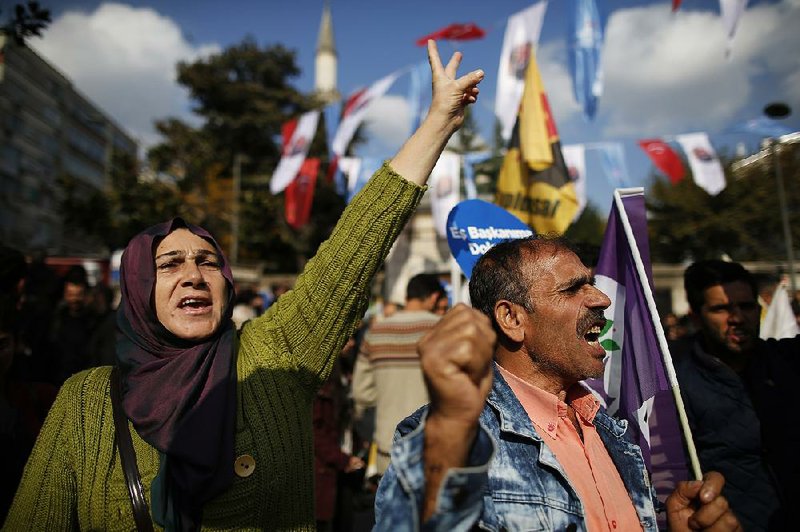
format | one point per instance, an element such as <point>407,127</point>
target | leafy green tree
<point>137,201</point>
<point>186,152</point>
<point>129,204</point>
<point>28,20</point>
<point>244,95</point>
<point>587,233</point>
<point>467,138</point>
<point>743,221</point>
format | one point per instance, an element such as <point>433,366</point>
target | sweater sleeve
<point>46,498</point>
<point>308,325</point>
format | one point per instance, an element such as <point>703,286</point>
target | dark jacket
<point>329,418</point>
<point>742,425</point>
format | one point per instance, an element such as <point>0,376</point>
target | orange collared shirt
<point>586,462</point>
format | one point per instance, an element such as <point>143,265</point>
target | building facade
<point>50,134</point>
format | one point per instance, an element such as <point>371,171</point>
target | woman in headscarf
<point>221,421</point>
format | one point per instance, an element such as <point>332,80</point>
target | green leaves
<point>608,344</point>
<point>243,95</point>
<point>742,221</point>
<point>28,20</point>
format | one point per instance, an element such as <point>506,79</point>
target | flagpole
<point>662,339</point>
<point>455,269</point>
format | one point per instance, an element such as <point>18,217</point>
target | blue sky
<point>665,73</point>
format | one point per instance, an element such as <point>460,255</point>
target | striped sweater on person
<point>74,480</point>
<point>388,375</point>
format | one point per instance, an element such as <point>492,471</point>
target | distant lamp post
<point>777,111</point>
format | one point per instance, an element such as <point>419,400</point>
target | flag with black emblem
<point>534,183</point>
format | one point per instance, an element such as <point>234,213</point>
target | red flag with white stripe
<point>299,133</point>
<point>355,108</point>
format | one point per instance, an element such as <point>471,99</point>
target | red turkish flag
<point>454,32</point>
<point>287,130</point>
<point>664,158</point>
<point>299,195</point>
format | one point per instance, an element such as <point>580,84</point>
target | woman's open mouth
<point>195,305</point>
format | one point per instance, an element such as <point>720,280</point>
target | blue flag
<point>587,39</point>
<point>420,78</point>
<point>368,166</point>
<point>331,119</point>
<point>612,157</point>
<point>635,368</point>
<point>331,113</point>
<point>764,127</point>
<point>471,159</point>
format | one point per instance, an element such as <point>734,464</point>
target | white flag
<point>731,11</point>
<point>444,188</point>
<point>575,159</point>
<point>779,321</point>
<point>703,161</point>
<point>522,35</point>
<point>355,108</point>
<point>350,167</point>
<point>295,152</point>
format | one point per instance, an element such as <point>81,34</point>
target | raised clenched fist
<point>456,362</point>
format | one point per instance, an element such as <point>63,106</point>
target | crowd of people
<point>193,406</point>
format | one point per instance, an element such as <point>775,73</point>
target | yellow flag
<point>534,184</point>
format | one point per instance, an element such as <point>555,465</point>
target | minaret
<point>325,63</point>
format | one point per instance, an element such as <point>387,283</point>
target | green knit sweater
<point>74,480</point>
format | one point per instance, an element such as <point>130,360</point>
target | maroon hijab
<point>179,394</point>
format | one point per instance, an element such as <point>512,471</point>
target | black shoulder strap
<point>141,514</point>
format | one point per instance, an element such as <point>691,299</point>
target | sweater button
<point>244,466</point>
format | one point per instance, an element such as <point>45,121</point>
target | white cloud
<point>387,123</point>
<point>668,73</point>
<point>123,58</point>
<point>553,65</point>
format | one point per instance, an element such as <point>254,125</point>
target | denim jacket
<point>512,480</point>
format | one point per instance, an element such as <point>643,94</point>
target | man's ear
<point>430,301</point>
<point>511,319</point>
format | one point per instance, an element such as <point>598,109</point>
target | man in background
<point>737,389</point>
<point>387,373</point>
<point>511,440</point>
<point>73,325</point>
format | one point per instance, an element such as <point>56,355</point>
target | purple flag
<point>667,457</point>
<point>634,368</point>
<point>635,386</point>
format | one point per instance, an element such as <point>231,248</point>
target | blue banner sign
<point>474,226</point>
